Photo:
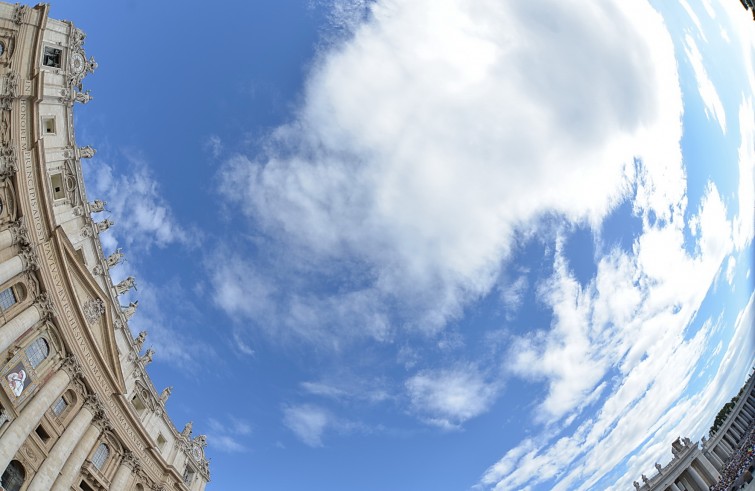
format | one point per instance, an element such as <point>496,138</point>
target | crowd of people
<point>738,471</point>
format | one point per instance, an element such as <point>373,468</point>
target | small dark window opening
<point>52,57</point>
<point>85,487</point>
<point>42,434</point>
<point>13,477</point>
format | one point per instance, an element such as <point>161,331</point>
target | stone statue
<point>636,485</point>
<point>139,341</point>
<point>104,225</point>
<point>114,258</point>
<point>82,97</point>
<point>165,394</point>
<point>97,205</point>
<point>645,480</point>
<point>130,310</point>
<point>147,358</point>
<point>687,441</point>
<point>658,467</point>
<point>186,433</point>
<point>125,285</point>
<point>201,440</point>
<point>87,152</point>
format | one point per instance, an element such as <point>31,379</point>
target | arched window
<point>59,406</point>
<point>100,456</point>
<point>7,298</point>
<point>37,351</point>
<point>13,477</point>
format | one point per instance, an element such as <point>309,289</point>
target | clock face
<point>196,453</point>
<point>77,63</point>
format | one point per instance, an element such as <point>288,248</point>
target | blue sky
<point>428,245</point>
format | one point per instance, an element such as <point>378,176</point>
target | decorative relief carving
<point>8,160</point>
<point>44,304</point>
<point>29,258</point>
<point>67,312</point>
<point>73,367</point>
<point>4,417</point>
<point>19,13</point>
<point>93,309</point>
<point>19,232</point>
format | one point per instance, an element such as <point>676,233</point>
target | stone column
<point>55,460</point>
<point>16,265</point>
<point>674,487</point>
<point>15,234</point>
<point>29,418</point>
<point>738,425</point>
<point>707,467</point>
<point>6,239</point>
<point>715,459</point>
<point>73,465</point>
<point>11,330</point>
<point>123,475</point>
<point>698,480</point>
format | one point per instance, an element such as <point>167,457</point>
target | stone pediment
<point>93,307</point>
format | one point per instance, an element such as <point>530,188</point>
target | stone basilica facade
<point>77,407</point>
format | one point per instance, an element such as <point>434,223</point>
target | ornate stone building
<point>77,407</point>
<point>697,466</point>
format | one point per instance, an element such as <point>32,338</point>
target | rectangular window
<point>48,125</point>
<point>56,180</point>
<point>85,487</point>
<point>52,57</point>
<point>42,434</point>
<point>188,476</point>
<point>138,405</point>
<point>59,406</point>
<point>7,299</point>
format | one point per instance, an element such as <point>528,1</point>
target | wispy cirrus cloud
<point>714,108</point>
<point>227,435</point>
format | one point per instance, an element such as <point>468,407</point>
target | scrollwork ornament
<point>29,258</point>
<point>18,14</point>
<point>93,309</point>
<point>73,367</point>
<point>132,461</point>
<point>19,232</point>
<point>44,304</point>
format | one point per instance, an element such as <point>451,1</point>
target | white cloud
<point>143,218</point>
<point>418,164</point>
<point>632,317</point>
<point>695,19</point>
<point>225,435</point>
<point>713,106</point>
<point>449,397</point>
<point>744,223</point>
<point>308,422</point>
